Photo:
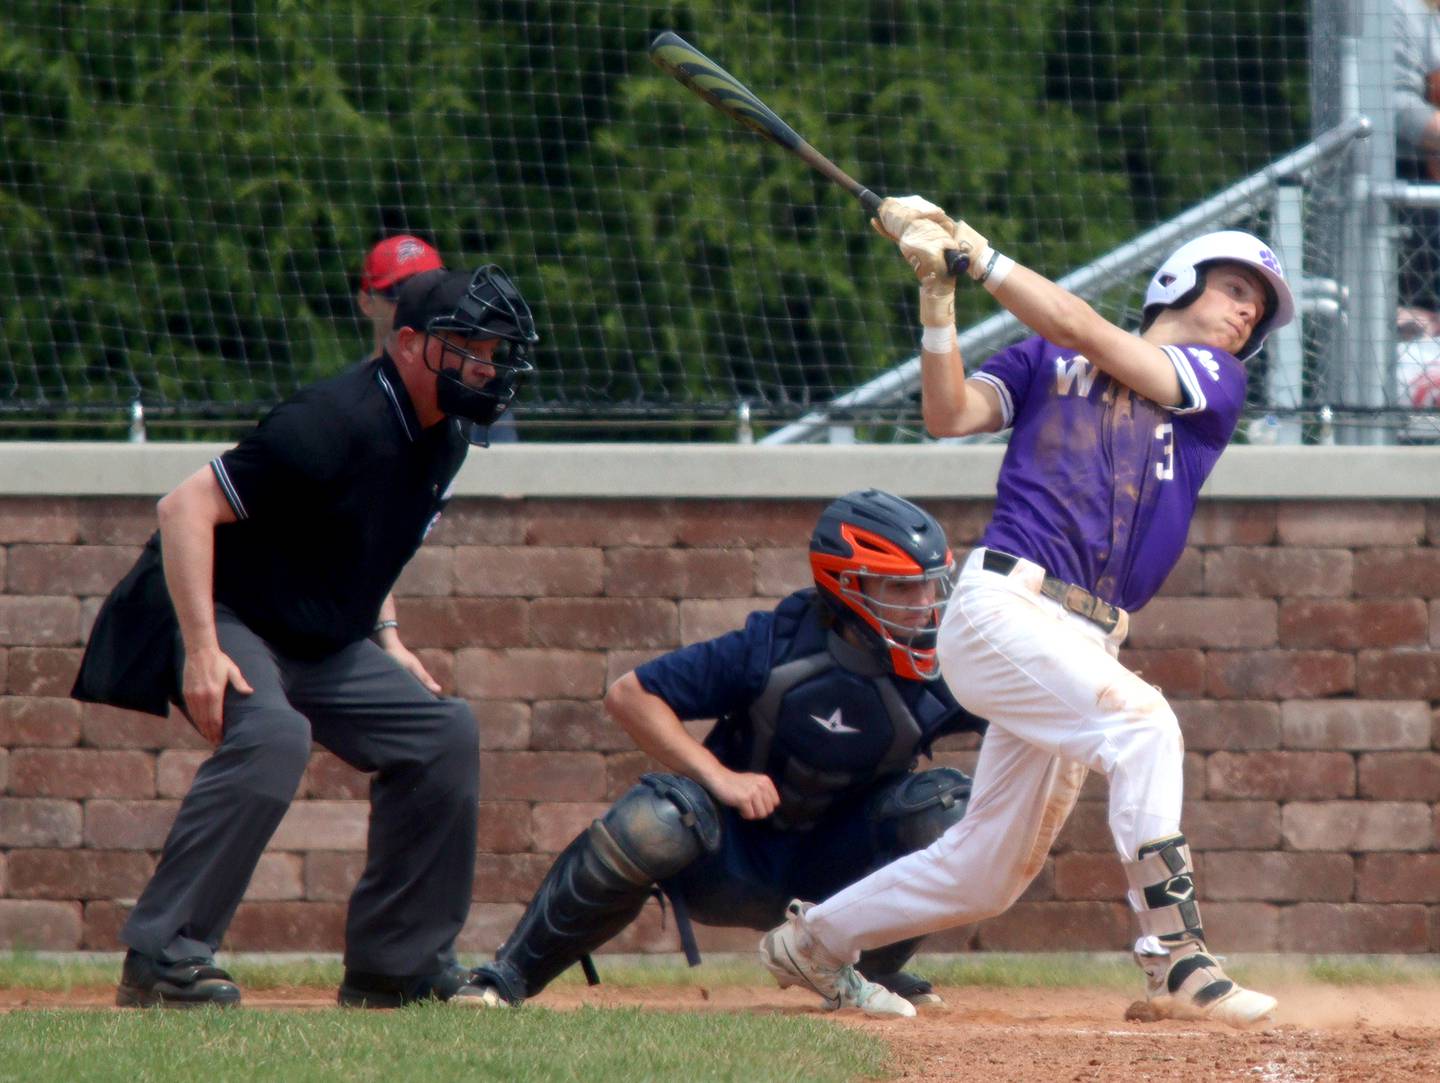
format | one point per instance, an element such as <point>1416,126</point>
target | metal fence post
<point>1285,377</point>
<point>1369,378</point>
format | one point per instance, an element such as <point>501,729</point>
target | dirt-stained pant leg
<point>1059,703</point>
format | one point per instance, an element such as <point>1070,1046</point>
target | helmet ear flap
<point>1185,300</point>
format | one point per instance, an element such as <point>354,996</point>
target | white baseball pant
<point>1059,703</point>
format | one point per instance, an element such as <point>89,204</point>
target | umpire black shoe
<point>147,982</point>
<point>451,985</point>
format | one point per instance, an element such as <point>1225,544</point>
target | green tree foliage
<point>186,192</point>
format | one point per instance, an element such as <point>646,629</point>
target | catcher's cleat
<point>793,956</point>
<point>913,988</point>
<point>147,982</point>
<point>500,982</point>
<point>1194,987</point>
<point>451,986</point>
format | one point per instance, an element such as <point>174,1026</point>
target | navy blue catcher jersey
<point>794,700</point>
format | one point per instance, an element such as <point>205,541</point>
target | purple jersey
<point>1099,484</point>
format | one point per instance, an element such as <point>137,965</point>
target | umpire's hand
<point>411,664</point>
<point>208,672</point>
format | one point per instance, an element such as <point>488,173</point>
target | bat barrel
<point>689,66</point>
<point>708,80</point>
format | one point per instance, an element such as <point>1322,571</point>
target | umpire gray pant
<point>414,894</point>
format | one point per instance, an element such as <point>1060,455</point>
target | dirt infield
<point>1321,1033</point>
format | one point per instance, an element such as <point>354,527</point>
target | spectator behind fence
<point>1417,149</point>
<point>388,266</point>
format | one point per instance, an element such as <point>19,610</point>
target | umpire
<point>262,607</point>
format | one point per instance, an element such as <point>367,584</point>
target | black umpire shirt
<point>333,492</point>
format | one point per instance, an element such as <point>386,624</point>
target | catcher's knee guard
<point>913,812</point>
<point>662,824</point>
<point>599,883</point>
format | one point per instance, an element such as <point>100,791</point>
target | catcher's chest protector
<point>830,721</point>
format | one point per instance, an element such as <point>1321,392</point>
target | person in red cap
<point>387,267</point>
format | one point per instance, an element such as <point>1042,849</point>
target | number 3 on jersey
<point>1165,468</point>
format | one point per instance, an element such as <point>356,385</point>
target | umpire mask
<point>484,304</point>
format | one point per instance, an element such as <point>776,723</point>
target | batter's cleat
<point>913,988</point>
<point>147,982</point>
<point>793,956</point>
<point>451,986</point>
<point>1155,966</point>
<point>1194,987</point>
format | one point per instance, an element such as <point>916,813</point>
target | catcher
<point>805,782</point>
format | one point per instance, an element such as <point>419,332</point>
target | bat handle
<point>955,263</point>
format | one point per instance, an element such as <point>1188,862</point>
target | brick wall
<point>1294,639</point>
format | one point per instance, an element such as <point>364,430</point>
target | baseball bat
<point>707,79</point>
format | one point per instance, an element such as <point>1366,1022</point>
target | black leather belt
<point>1077,600</point>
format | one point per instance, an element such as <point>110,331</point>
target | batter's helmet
<point>480,304</point>
<point>882,567</point>
<point>1181,279</point>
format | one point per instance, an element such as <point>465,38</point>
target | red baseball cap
<point>395,259</point>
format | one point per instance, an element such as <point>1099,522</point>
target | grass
<point>436,1044</point>
<point>57,974</point>
<point>998,970</point>
<point>439,1044</point>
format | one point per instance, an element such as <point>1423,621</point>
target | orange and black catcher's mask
<point>883,568</point>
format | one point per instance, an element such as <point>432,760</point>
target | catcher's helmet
<point>481,304</point>
<point>882,567</point>
<point>1181,279</point>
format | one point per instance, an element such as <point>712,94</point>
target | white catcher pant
<point>1059,704</point>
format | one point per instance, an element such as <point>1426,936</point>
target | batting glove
<point>937,303</point>
<point>924,244</point>
<point>897,213</point>
<point>969,243</point>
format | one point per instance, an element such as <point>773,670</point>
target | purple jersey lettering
<point>1099,484</point>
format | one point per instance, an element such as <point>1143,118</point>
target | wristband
<point>938,339</point>
<point>382,625</point>
<point>996,270</point>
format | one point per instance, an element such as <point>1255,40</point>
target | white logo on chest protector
<point>834,723</point>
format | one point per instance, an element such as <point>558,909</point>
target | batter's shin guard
<point>589,895</point>
<point>1185,982</point>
